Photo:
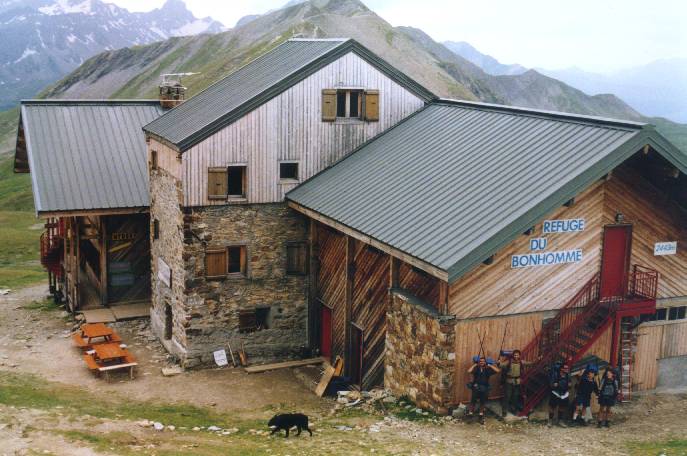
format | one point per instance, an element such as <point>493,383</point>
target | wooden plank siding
<point>654,219</point>
<point>290,127</point>
<point>167,158</point>
<point>419,283</point>
<point>496,289</point>
<point>649,347</point>
<point>331,281</point>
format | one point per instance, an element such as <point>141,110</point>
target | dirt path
<point>35,347</point>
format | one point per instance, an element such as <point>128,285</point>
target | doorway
<point>615,260</point>
<point>356,354</point>
<point>326,332</point>
<point>169,321</point>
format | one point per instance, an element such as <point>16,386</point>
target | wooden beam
<point>348,299</point>
<point>103,261</point>
<point>286,364</point>
<point>428,268</point>
<point>313,271</point>
<point>442,305</point>
<point>394,264</point>
<point>84,212</point>
<point>77,261</point>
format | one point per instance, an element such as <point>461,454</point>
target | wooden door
<point>326,332</point>
<point>615,260</point>
<point>356,355</point>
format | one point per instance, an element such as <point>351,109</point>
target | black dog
<point>288,420</point>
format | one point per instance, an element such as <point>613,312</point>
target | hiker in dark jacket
<point>481,370</point>
<point>583,396</point>
<point>608,393</point>
<point>558,397</point>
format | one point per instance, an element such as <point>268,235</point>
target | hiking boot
<point>607,423</point>
<point>562,423</point>
<point>481,419</point>
<point>599,424</point>
<point>549,423</point>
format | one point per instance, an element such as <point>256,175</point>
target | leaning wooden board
<point>274,366</point>
<point>324,382</point>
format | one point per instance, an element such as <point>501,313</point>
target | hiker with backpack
<point>559,382</point>
<point>512,369</point>
<point>583,396</point>
<point>608,393</point>
<point>481,370</point>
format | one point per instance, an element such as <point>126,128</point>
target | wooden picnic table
<point>109,352</point>
<point>92,330</point>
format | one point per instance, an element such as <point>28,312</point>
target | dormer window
<point>349,103</point>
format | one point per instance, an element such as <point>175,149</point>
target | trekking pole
<point>503,339</point>
<point>481,344</point>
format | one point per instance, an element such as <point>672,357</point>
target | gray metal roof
<point>457,181</point>
<point>87,155</point>
<point>257,82</point>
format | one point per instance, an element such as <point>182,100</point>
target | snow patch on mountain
<point>68,7</point>
<point>27,53</point>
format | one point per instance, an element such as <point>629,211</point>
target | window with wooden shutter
<point>217,183</point>
<point>236,259</point>
<point>236,181</point>
<point>329,105</point>
<point>372,105</point>
<point>247,321</point>
<point>216,263</point>
<point>296,258</point>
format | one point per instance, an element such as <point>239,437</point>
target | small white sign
<point>164,272</point>
<point>665,248</point>
<point>220,357</point>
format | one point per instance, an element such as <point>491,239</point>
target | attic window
<point>288,171</point>
<point>237,181</point>
<point>349,103</point>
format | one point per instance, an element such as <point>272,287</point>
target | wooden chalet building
<point>318,199</point>
<point>87,160</point>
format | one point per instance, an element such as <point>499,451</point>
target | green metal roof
<point>259,81</point>
<point>457,181</point>
<point>87,154</point>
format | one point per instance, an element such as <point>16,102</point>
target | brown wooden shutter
<point>372,105</point>
<point>247,321</point>
<point>217,183</point>
<point>296,258</point>
<point>216,263</point>
<point>328,105</point>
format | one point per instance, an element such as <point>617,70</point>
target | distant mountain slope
<point>655,89</point>
<point>43,40</point>
<point>486,62</point>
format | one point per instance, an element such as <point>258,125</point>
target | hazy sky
<point>596,35</point>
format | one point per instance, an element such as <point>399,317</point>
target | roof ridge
<point>342,39</point>
<point>608,121</point>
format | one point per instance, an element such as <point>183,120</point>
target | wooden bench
<point>79,341</point>
<point>90,362</point>
<point>114,367</point>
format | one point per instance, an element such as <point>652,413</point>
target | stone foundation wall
<point>420,356</point>
<point>212,305</point>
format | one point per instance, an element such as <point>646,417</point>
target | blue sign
<point>546,258</point>
<point>563,226</point>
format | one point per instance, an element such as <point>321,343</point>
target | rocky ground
<point>50,404</point>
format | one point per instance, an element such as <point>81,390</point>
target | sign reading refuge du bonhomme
<point>550,258</point>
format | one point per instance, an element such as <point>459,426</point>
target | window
<point>237,259</point>
<point>156,229</point>
<point>677,313</point>
<point>237,181</point>
<point>251,320</point>
<point>288,171</point>
<point>227,182</point>
<point>296,258</point>
<point>222,261</point>
<point>153,159</point>
<point>350,104</point>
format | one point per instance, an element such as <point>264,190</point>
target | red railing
<point>643,282</point>
<point>51,247</point>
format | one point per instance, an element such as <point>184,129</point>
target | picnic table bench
<point>84,339</point>
<point>108,357</point>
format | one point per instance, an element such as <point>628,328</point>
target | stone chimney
<point>172,91</point>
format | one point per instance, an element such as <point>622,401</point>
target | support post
<point>103,260</point>
<point>394,264</point>
<point>350,271</point>
<point>313,271</point>
<point>442,305</point>
<point>77,262</point>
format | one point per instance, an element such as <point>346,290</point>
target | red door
<point>615,260</point>
<point>326,332</point>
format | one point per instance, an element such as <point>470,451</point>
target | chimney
<point>172,91</point>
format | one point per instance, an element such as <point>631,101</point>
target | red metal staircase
<point>576,327</point>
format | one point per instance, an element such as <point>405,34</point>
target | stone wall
<point>212,305</point>
<point>166,195</point>
<point>420,357</point>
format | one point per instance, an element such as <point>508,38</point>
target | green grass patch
<point>46,305</point>
<point>673,447</point>
<point>20,249</point>
<point>15,189</point>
